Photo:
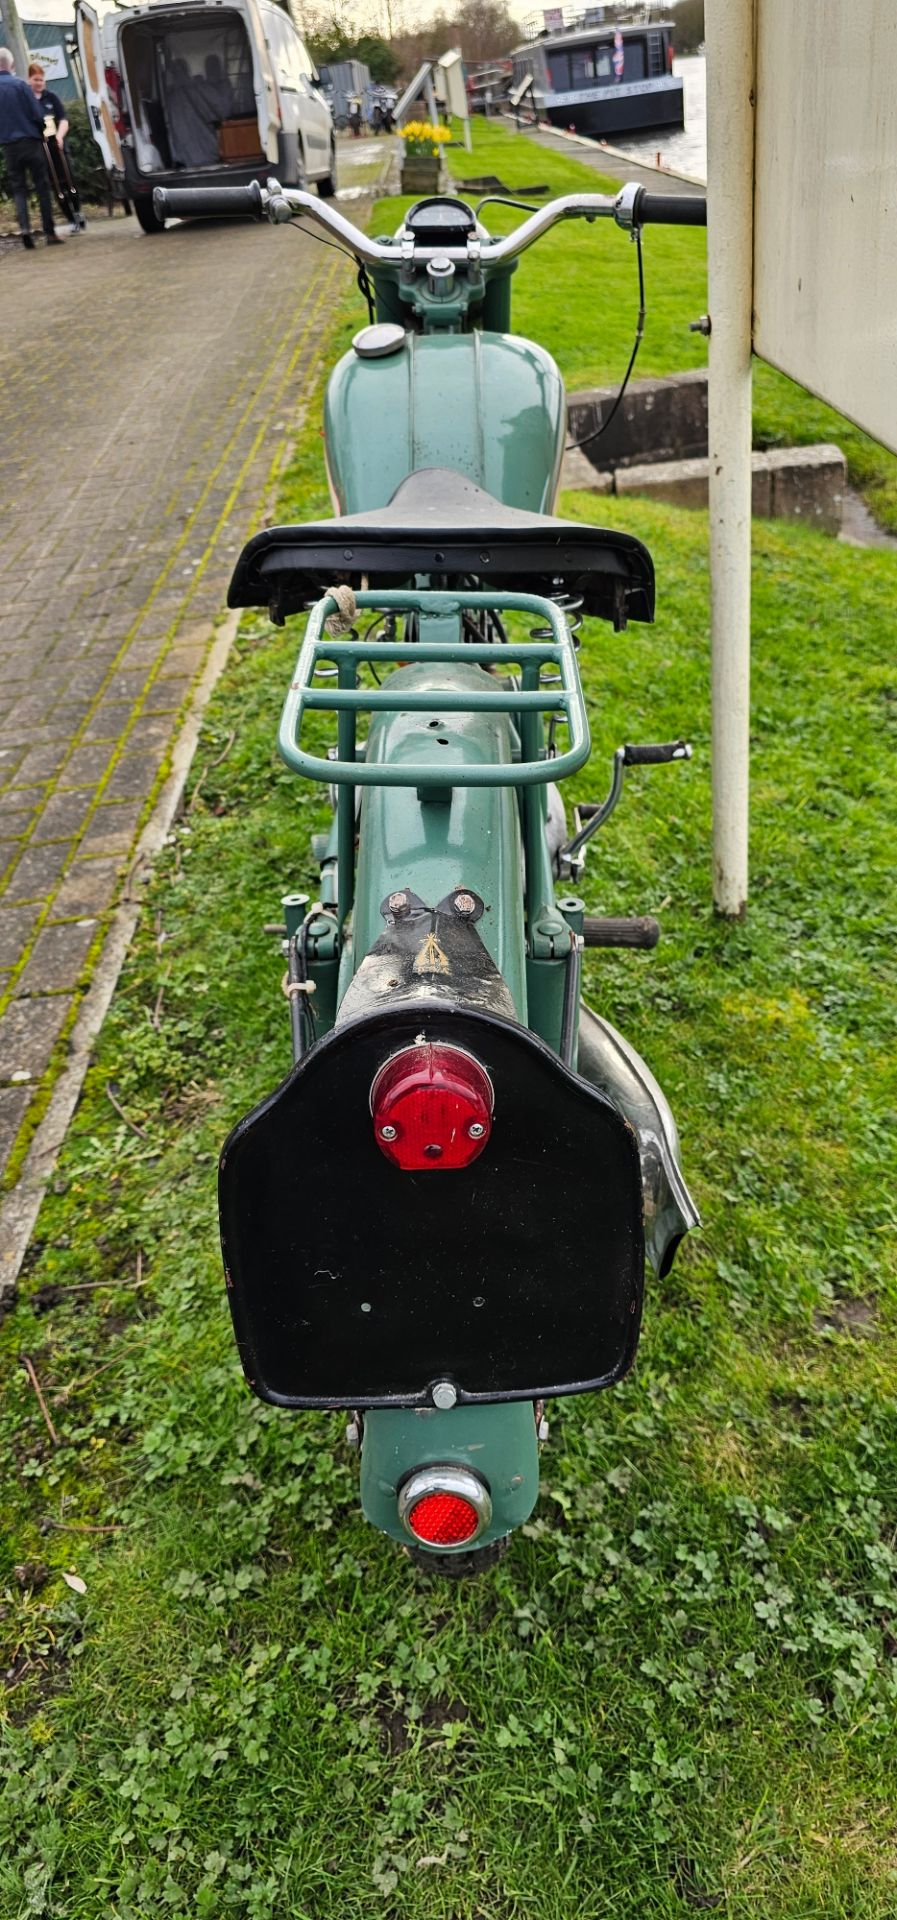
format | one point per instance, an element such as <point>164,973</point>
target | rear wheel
<point>327,186</point>
<point>460,1566</point>
<point>147,216</point>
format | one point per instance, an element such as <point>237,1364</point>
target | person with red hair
<point>56,127</point>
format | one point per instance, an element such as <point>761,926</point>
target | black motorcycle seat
<point>440,523</point>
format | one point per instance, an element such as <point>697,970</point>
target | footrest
<point>639,931</point>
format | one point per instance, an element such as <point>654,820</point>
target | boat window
<point>582,66</point>
<point>635,65</point>
<point>559,68</point>
<point>603,64</point>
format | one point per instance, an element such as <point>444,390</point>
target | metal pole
<point>729,33</point>
<point>12,36</point>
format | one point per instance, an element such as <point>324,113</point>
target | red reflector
<point>443,1520</point>
<point>432,1108</point>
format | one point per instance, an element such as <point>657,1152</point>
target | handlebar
<point>632,207</point>
<point>216,203</point>
<point>670,209</point>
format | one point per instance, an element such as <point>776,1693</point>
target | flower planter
<point>422,173</point>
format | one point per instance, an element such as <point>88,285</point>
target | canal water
<point>684,151</point>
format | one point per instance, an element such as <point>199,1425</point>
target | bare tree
<point>12,36</point>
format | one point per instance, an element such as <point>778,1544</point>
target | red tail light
<point>432,1107</point>
<point>444,1506</point>
<point>444,1520</point>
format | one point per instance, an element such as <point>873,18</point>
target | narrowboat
<point>603,79</point>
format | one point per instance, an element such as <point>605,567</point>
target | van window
<point>306,63</point>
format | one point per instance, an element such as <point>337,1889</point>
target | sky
<point>368,14</point>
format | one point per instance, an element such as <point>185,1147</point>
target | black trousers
<point>23,157</point>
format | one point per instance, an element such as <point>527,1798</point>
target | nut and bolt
<point>387,1133</point>
<point>465,903</point>
<point>353,1437</point>
<point>444,1395</point>
<point>542,1429</point>
<point>398,903</point>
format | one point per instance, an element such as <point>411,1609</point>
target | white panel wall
<point>825,233</point>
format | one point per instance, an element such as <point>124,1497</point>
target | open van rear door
<point>100,106</point>
<point>266,90</point>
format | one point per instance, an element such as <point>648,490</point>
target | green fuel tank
<point>488,405</point>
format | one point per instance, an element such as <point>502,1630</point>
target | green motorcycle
<point>434,985</point>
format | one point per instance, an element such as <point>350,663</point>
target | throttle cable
<point>572,445</point>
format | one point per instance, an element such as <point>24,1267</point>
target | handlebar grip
<point>656,756</point>
<point>669,209</point>
<point>205,203</point>
<point>641,931</point>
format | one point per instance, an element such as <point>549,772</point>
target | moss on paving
<point>678,1692</point>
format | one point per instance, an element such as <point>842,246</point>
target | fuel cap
<point>374,343</point>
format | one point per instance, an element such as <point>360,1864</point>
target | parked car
<point>207,92</point>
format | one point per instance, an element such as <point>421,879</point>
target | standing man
<point>22,140</point>
<point>56,127</point>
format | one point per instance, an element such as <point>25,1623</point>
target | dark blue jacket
<point>20,115</point>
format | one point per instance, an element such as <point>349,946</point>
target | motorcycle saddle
<point>441,523</point>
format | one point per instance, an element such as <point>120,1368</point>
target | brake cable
<point>363,282</point>
<point>639,332</point>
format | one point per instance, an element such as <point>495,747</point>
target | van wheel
<point>327,186</point>
<point>148,217</point>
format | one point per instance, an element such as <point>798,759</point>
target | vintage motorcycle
<point>434,986</point>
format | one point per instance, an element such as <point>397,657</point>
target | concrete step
<point>788,483</point>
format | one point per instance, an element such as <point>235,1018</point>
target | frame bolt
<point>476,1130</point>
<point>542,1429</point>
<point>387,1133</point>
<point>444,1395</point>
<point>465,903</point>
<point>398,903</point>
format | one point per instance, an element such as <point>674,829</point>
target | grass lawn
<point>678,1693</point>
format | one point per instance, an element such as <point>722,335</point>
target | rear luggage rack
<point>563,697</point>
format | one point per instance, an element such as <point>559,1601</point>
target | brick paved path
<point>148,385</point>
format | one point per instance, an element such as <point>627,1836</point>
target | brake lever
<point>274,203</point>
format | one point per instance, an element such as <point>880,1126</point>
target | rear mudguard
<point>611,1064</point>
<point>446,837</point>
<point>497,1442</point>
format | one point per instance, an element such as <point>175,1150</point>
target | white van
<point>204,92</point>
